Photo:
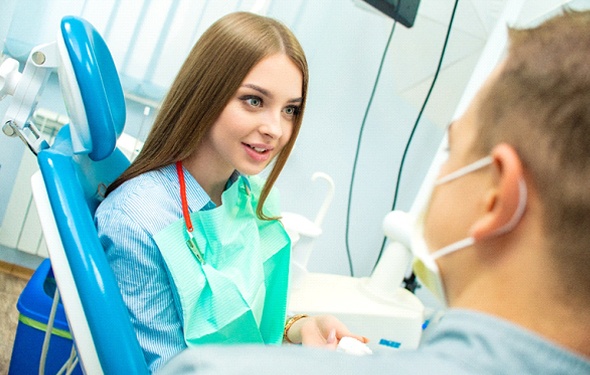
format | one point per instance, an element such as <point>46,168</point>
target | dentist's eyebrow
<point>449,132</point>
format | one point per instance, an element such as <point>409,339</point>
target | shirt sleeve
<point>145,285</point>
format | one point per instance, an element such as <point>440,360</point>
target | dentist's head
<point>505,230</point>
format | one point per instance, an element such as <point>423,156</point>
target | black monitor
<point>403,11</point>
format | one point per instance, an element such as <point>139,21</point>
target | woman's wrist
<point>294,339</point>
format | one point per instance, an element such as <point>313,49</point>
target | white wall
<point>344,55</point>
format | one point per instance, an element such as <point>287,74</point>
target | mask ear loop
<point>453,247</point>
<point>522,199</point>
<point>465,170</point>
<point>483,162</point>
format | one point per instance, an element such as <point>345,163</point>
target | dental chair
<point>74,173</point>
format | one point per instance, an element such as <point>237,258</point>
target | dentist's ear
<point>505,202</point>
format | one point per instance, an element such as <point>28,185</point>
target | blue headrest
<point>92,90</point>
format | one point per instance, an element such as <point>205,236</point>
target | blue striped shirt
<point>127,221</point>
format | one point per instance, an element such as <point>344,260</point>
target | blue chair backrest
<point>82,161</point>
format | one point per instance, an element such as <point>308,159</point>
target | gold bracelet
<point>290,321</point>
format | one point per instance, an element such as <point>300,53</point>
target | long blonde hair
<point>209,77</point>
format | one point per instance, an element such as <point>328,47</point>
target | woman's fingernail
<point>332,337</point>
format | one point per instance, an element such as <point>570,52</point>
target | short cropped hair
<point>540,104</point>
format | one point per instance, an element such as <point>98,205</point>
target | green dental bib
<point>239,293</point>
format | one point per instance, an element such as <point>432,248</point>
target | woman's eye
<point>254,101</point>
<point>292,110</point>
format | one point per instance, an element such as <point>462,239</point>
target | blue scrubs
<point>463,342</point>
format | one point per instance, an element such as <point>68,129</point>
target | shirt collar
<point>196,196</point>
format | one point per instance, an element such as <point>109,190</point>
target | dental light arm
<point>25,89</point>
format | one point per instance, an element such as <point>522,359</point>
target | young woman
<point>193,238</point>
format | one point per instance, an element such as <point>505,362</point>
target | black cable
<point>358,146</point>
<point>400,170</point>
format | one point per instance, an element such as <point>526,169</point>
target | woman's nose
<point>271,125</point>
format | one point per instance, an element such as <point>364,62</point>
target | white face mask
<point>424,266</point>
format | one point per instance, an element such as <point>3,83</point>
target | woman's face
<point>258,120</point>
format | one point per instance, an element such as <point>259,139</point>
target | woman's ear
<point>503,202</point>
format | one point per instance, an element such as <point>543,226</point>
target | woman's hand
<point>322,330</point>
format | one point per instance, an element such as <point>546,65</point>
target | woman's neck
<point>213,180</point>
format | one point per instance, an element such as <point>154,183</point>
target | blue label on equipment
<point>393,344</point>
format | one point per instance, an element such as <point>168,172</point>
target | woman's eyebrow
<point>268,94</point>
<point>261,90</point>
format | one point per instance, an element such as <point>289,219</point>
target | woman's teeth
<point>259,150</point>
